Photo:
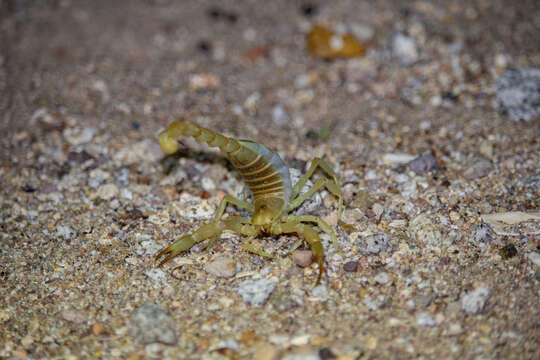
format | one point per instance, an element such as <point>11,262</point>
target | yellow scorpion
<point>274,197</point>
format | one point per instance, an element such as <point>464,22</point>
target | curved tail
<point>167,138</point>
<point>231,147</point>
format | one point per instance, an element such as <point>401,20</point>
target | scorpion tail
<point>231,147</point>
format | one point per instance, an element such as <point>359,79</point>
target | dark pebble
<point>350,266</point>
<point>423,163</point>
<point>508,251</point>
<point>231,17</point>
<point>28,188</point>
<point>79,156</point>
<point>309,9</point>
<point>326,354</point>
<point>204,46</point>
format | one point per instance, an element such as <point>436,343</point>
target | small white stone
<point>208,184</point>
<point>107,192</point>
<point>535,258</point>
<point>370,175</point>
<point>455,329</point>
<point>404,49</point>
<point>256,292</point>
<point>279,115</point>
<point>382,277</point>
<point>425,319</point>
<point>474,301</point>
<point>222,266</point>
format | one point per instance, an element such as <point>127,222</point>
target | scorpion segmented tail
<point>231,147</point>
<point>263,170</point>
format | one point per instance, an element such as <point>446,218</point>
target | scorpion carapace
<point>274,197</point>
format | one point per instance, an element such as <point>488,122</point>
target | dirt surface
<point>88,198</point>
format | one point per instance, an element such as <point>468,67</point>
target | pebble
<point>423,163</point>
<point>65,231</point>
<point>122,176</point>
<point>378,210</point>
<point>518,93</point>
<point>370,175</point>
<point>320,291</point>
<point>208,184</point>
<point>27,341</point>
<point>534,257</point>
<point>256,292</point>
<point>425,230</point>
<point>408,189</point>
<point>312,356</point>
<point>150,323</point>
<point>396,159</point>
<point>403,49</point>
<point>280,116</point>
<point>156,275</point>
<point>482,233</point>
<point>107,192</point>
<point>474,301</point>
<point>350,266</point>
<point>228,344</point>
<point>221,266</point>
<point>204,81</point>
<point>74,316</point>
<point>478,168</point>
<point>425,319</point>
<point>533,182</point>
<point>98,329</point>
<point>79,136</point>
<point>382,278</point>
<point>375,243</point>
<point>455,329</point>
<point>265,351</point>
<point>302,258</point>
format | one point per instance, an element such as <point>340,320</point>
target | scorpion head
<point>266,210</point>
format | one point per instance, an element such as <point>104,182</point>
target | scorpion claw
<point>167,258</point>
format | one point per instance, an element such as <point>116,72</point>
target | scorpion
<point>274,197</point>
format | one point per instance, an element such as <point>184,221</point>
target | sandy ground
<point>88,198</point>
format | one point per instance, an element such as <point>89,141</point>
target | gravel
<point>150,323</point>
<point>376,243</point>
<point>256,292</point>
<point>88,198</point>
<point>518,93</point>
<point>221,266</point>
<point>475,301</point>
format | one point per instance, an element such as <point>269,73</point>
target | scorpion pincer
<point>274,196</point>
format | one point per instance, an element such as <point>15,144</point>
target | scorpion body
<point>274,196</point>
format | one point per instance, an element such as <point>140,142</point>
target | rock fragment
<point>150,323</point>
<point>256,292</point>
<point>221,266</point>
<point>474,301</point>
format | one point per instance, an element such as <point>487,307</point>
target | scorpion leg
<point>247,245</point>
<point>186,242</point>
<point>332,185</point>
<point>211,230</point>
<point>309,235</point>
<point>323,225</point>
<point>228,199</point>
